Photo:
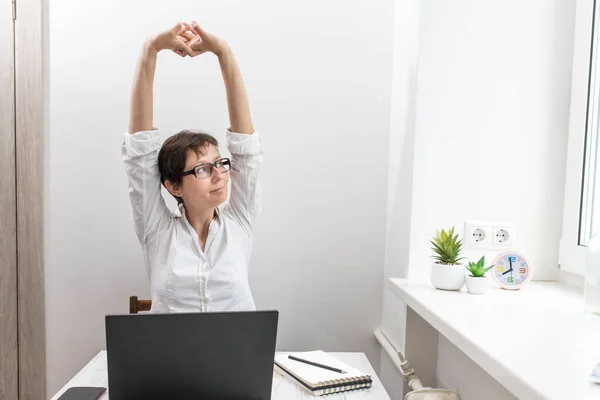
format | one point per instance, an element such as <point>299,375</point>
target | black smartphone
<point>83,393</point>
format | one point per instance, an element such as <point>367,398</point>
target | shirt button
<point>206,300</point>
<point>203,279</point>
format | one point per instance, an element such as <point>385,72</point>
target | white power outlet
<point>503,235</point>
<point>477,234</point>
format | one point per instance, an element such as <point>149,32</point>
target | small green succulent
<point>447,247</point>
<point>478,269</point>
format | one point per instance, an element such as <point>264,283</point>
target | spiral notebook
<point>319,381</point>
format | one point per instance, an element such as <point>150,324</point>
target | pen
<point>316,364</point>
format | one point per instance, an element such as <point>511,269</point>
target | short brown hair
<point>173,154</point>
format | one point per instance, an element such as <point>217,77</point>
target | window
<point>589,220</point>
<point>581,218</point>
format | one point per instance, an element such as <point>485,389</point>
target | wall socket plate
<point>477,234</point>
<point>503,235</point>
<point>488,234</point>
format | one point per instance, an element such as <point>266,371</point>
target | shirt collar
<point>181,209</point>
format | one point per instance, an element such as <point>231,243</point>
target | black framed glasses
<point>205,170</point>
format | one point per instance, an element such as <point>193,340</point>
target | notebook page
<point>313,374</point>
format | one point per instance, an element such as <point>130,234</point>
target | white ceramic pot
<point>477,285</point>
<point>448,277</point>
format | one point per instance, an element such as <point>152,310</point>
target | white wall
<point>492,120</point>
<point>400,180</point>
<point>492,107</point>
<point>456,371</point>
<point>318,76</point>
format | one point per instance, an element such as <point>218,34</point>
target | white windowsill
<point>537,342</point>
<point>572,278</point>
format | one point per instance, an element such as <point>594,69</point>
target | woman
<point>197,256</point>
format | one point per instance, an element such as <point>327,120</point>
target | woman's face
<point>205,192</point>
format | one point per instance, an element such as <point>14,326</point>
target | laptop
<point>221,355</point>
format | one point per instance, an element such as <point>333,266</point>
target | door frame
<point>30,163</point>
<point>9,380</point>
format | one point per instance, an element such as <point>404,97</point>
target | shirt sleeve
<point>246,161</point>
<point>140,156</point>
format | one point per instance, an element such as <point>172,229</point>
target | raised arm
<point>141,106</point>
<point>142,143</point>
<point>242,142</point>
<point>237,99</point>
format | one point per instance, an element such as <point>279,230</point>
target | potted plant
<point>476,280</point>
<point>447,273</point>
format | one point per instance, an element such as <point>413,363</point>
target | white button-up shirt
<point>183,278</point>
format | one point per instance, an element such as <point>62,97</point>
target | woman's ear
<point>173,188</point>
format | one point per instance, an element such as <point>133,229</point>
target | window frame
<point>572,256</point>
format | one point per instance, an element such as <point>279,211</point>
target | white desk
<point>94,374</point>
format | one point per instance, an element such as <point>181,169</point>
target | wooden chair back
<point>136,305</point>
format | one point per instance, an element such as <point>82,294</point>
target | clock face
<point>512,270</point>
